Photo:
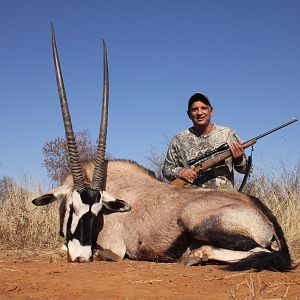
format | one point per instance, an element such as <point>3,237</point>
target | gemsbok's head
<point>84,200</point>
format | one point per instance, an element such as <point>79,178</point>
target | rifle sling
<point>247,173</point>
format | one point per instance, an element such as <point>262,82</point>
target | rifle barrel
<point>277,128</point>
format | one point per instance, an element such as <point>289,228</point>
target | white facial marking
<point>84,253</point>
<point>107,196</point>
<point>79,210</point>
<point>95,209</point>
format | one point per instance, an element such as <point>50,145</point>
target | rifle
<point>201,157</point>
<point>225,153</point>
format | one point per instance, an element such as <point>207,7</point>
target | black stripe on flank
<point>211,232</point>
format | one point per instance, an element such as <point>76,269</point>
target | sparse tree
<point>56,154</point>
<point>156,159</point>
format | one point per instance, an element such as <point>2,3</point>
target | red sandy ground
<point>48,278</point>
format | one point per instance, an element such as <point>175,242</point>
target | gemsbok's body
<point>158,222</point>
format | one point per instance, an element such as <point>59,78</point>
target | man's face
<point>200,113</point>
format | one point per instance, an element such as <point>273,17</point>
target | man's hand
<point>187,174</point>
<point>237,152</point>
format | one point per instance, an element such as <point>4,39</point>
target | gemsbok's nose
<point>82,259</point>
<point>79,259</point>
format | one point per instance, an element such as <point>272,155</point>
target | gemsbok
<point>158,222</point>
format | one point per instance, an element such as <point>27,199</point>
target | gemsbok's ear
<point>117,205</point>
<point>44,200</point>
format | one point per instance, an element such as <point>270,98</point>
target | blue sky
<point>245,55</point>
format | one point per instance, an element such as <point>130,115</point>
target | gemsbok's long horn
<point>99,176</point>
<point>72,148</point>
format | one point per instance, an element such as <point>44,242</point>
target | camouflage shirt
<point>186,146</point>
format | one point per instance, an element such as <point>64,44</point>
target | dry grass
<point>24,226</point>
<point>255,289</point>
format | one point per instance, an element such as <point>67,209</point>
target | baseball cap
<point>198,97</point>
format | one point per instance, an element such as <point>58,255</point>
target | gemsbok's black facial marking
<point>69,235</point>
<point>90,196</point>
<point>83,232</point>
<point>82,215</point>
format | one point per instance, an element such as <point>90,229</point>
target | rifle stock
<point>179,182</point>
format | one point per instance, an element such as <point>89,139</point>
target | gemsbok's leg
<point>206,253</point>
